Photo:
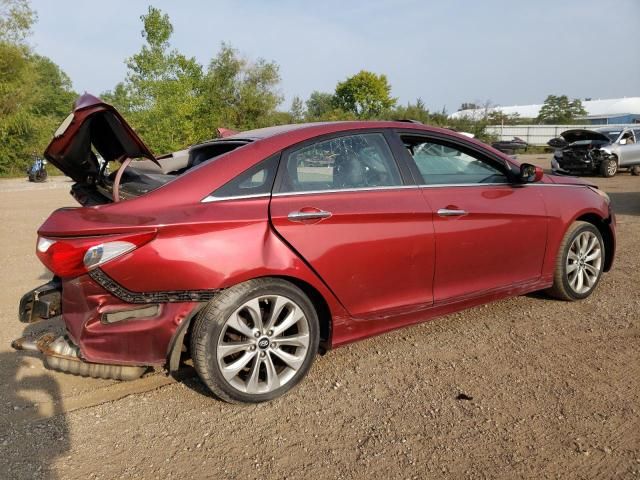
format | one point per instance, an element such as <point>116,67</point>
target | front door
<point>490,234</point>
<point>341,203</point>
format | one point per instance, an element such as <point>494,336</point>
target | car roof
<point>327,127</point>
<point>610,129</point>
<point>282,136</point>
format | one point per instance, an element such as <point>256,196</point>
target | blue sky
<point>446,52</point>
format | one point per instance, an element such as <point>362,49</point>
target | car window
<point>254,181</point>
<point>345,162</point>
<point>628,137</point>
<point>445,164</point>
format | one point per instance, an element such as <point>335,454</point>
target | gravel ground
<point>522,388</point>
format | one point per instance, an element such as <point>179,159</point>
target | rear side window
<point>346,162</point>
<point>443,164</point>
<point>258,180</point>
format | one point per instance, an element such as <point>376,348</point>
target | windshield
<point>612,134</point>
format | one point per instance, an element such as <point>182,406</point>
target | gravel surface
<point>522,388</point>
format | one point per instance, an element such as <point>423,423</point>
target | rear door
<point>342,203</point>
<point>490,234</point>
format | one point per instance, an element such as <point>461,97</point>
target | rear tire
<point>635,170</point>
<point>255,341</point>
<point>579,263</point>
<point>609,167</point>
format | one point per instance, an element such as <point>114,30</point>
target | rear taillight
<point>70,257</point>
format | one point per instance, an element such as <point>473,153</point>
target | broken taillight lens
<point>70,257</point>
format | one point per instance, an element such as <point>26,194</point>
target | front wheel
<point>635,170</point>
<point>579,263</point>
<point>609,167</point>
<point>255,341</point>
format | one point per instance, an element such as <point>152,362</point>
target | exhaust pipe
<point>62,355</point>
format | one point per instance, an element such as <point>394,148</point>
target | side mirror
<point>623,141</point>
<point>530,173</point>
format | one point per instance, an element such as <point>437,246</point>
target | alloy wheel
<point>584,262</point>
<point>263,344</point>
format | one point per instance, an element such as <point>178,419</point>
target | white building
<point>599,112</point>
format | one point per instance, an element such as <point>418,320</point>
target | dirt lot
<point>554,390</point>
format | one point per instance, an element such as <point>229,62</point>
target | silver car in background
<point>600,151</point>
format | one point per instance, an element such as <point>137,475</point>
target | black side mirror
<point>530,173</point>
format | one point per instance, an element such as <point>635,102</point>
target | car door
<point>490,234</point>
<point>342,204</point>
<point>630,152</point>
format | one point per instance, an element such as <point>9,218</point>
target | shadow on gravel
<point>33,428</point>
<point>625,203</point>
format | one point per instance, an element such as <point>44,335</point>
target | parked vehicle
<point>37,172</point>
<point>510,147</point>
<point>254,252</point>
<point>601,151</point>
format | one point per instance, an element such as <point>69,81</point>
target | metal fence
<point>539,134</point>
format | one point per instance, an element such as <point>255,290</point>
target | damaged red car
<point>252,253</point>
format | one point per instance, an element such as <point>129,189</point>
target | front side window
<point>628,137</point>
<point>441,164</point>
<point>346,162</point>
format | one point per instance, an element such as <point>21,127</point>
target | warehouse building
<point>613,111</point>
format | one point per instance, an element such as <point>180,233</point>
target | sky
<point>445,52</point>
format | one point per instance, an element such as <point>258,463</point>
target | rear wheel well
<point>182,339</point>
<point>602,225</point>
<point>322,309</point>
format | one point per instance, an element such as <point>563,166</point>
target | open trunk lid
<point>93,127</point>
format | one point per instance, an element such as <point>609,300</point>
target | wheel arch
<point>181,337</point>
<point>602,224</point>
<point>322,309</point>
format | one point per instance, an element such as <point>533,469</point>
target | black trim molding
<point>172,296</point>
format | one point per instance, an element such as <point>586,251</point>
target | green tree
<point>319,105</point>
<point>16,20</point>
<point>297,111</point>
<point>35,94</point>
<point>412,111</point>
<point>237,93</point>
<point>365,94</point>
<point>160,95</point>
<point>559,109</point>
<point>497,117</point>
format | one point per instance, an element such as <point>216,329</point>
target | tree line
<point>173,101</point>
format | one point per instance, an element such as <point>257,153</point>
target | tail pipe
<point>61,354</point>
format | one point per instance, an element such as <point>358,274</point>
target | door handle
<point>446,212</point>
<point>301,216</point>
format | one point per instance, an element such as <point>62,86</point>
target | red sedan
<point>254,252</point>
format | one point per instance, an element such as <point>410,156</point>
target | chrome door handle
<point>301,216</point>
<point>445,212</point>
